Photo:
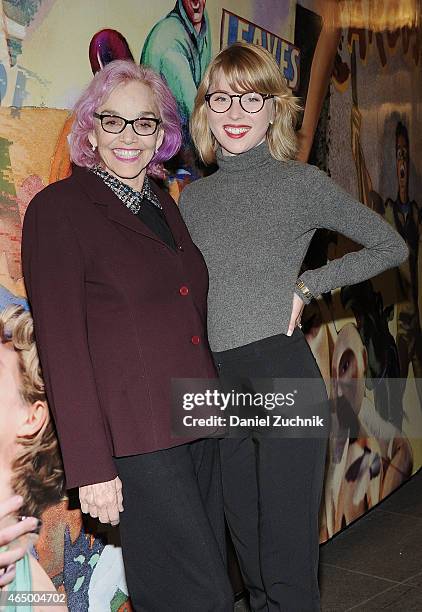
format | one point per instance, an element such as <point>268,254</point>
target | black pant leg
<point>272,492</point>
<point>290,477</point>
<point>206,462</point>
<point>174,561</point>
<point>241,499</point>
<point>273,517</point>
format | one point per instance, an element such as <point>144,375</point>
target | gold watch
<point>304,289</point>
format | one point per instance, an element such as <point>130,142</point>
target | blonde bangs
<point>243,71</point>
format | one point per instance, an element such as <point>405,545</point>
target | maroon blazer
<point>112,322</point>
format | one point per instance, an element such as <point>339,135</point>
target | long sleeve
<point>54,277</point>
<point>334,209</point>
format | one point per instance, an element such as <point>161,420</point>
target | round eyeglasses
<point>251,102</point>
<point>143,126</point>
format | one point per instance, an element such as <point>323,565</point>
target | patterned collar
<point>131,198</point>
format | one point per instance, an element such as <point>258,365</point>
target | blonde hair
<point>248,67</point>
<point>38,469</point>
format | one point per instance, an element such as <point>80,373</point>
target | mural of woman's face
<point>17,418</point>
<point>194,10</point>
<point>348,368</point>
<point>11,404</point>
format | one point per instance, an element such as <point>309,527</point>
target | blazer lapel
<point>116,210</point>
<point>118,213</point>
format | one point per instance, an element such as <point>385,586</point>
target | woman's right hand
<point>103,500</point>
<point>297,308</point>
<point>9,534</point>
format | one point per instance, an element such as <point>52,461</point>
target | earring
<point>93,147</point>
<point>271,121</point>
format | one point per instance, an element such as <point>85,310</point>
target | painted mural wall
<point>360,87</point>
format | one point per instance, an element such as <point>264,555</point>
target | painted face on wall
<point>17,418</point>
<point>11,402</point>
<point>126,155</point>
<point>402,162</point>
<point>236,130</point>
<point>348,368</point>
<point>194,10</point>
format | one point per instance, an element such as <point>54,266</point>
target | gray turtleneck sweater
<point>253,220</point>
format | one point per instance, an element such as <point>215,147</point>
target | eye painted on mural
<point>346,362</point>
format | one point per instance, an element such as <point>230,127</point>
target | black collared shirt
<point>155,219</point>
<point>144,204</point>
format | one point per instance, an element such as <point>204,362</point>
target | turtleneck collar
<point>257,156</point>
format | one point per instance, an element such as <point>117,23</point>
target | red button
<point>195,339</point>
<point>183,290</point>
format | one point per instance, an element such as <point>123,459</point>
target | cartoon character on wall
<point>30,461</point>
<point>383,369</point>
<point>405,215</point>
<point>69,556</point>
<point>369,456</point>
<point>179,48</point>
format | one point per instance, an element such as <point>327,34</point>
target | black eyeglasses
<point>143,126</point>
<point>251,102</point>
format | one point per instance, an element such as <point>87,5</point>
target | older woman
<point>118,293</point>
<point>253,220</point>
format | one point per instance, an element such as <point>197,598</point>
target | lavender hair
<point>104,82</point>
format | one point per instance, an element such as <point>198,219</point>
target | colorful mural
<point>359,80</point>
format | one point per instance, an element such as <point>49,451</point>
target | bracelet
<point>304,289</point>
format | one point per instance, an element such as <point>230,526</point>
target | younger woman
<point>253,220</point>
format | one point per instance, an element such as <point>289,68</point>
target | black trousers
<point>172,530</point>
<point>272,485</point>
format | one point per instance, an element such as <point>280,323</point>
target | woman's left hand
<point>297,309</point>
<point>103,500</point>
